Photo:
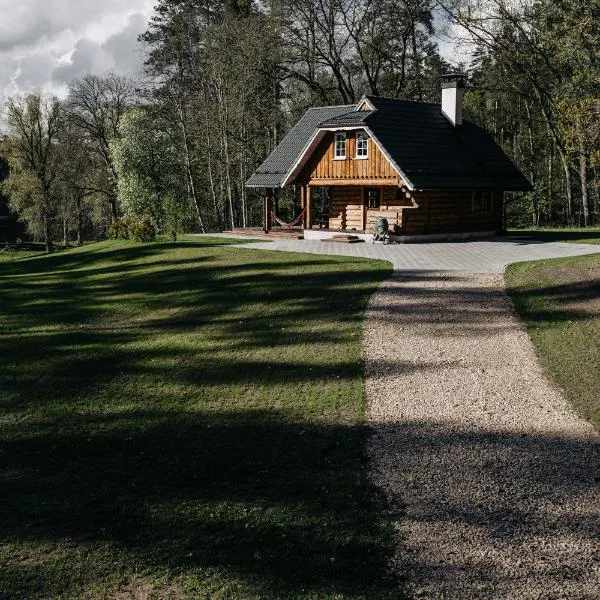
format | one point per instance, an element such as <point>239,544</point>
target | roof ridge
<point>404,100</point>
<point>330,106</point>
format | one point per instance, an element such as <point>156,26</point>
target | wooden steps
<point>344,239</point>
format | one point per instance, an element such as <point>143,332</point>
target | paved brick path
<point>488,256</point>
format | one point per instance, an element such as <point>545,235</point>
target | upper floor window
<point>482,201</point>
<point>362,145</point>
<point>340,146</point>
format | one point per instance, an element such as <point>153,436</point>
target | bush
<point>139,230</point>
<point>142,230</point>
<point>119,229</point>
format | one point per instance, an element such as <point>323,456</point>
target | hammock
<point>292,223</point>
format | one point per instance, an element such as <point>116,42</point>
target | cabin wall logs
<point>417,213</point>
<point>348,211</point>
<point>451,212</point>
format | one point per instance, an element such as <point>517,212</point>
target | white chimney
<point>453,87</point>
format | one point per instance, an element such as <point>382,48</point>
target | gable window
<point>340,146</point>
<point>482,201</point>
<point>373,198</point>
<point>362,145</point>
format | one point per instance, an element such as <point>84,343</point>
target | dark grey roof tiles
<point>273,170</point>
<point>434,154</point>
<point>430,152</point>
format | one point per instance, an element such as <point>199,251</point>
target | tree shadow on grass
<point>281,505</point>
<point>89,256</point>
<point>124,388</point>
<point>559,303</point>
<point>531,235</point>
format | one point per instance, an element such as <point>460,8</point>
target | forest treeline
<point>225,79</point>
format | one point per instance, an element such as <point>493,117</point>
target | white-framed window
<point>340,146</point>
<point>362,145</point>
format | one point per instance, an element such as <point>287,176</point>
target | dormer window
<point>362,145</point>
<point>340,146</point>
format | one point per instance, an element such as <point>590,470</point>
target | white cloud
<point>46,43</point>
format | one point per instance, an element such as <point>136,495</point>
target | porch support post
<point>303,204</point>
<point>267,212</point>
<point>309,207</point>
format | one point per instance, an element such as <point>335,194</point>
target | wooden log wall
<point>393,201</point>
<point>345,209</point>
<point>348,211</point>
<point>450,212</point>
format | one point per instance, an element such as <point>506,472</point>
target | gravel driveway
<point>496,479</point>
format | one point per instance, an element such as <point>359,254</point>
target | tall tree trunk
<point>568,182</point>
<point>532,173</point>
<point>79,223</point>
<point>188,167</point>
<point>65,232</point>
<point>560,147</point>
<point>213,193</point>
<point>596,189</point>
<point>243,194</point>
<point>550,179</point>
<point>226,155</point>
<point>585,200</point>
<point>46,231</point>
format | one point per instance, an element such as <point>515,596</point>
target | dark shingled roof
<point>430,152</point>
<point>274,169</point>
<point>434,154</point>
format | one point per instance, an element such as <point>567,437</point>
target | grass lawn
<point>13,254</point>
<point>184,420</point>
<point>581,235</point>
<point>560,302</point>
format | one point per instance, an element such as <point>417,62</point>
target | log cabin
<point>418,164</point>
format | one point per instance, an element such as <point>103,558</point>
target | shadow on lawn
<point>281,504</point>
<point>188,481</point>
<point>564,235</point>
<point>568,302</point>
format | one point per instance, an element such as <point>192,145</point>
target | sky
<point>44,44</point>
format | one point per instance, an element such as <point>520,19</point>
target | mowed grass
<point>12,254</point>
<point>560,302</point>
<point>184,420</point>
<point>575,235</point>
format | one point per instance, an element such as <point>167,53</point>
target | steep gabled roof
<point>418,139</point>
<point>275,168</point>
<point>434,154</point>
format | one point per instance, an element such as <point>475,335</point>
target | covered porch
<point>351,208</point>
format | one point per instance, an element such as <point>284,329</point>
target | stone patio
<point>481,256</point>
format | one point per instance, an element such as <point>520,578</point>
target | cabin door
<point>371,204</point>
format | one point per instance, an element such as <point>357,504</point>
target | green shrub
<point>142,230</point>
<point>119,229</point>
